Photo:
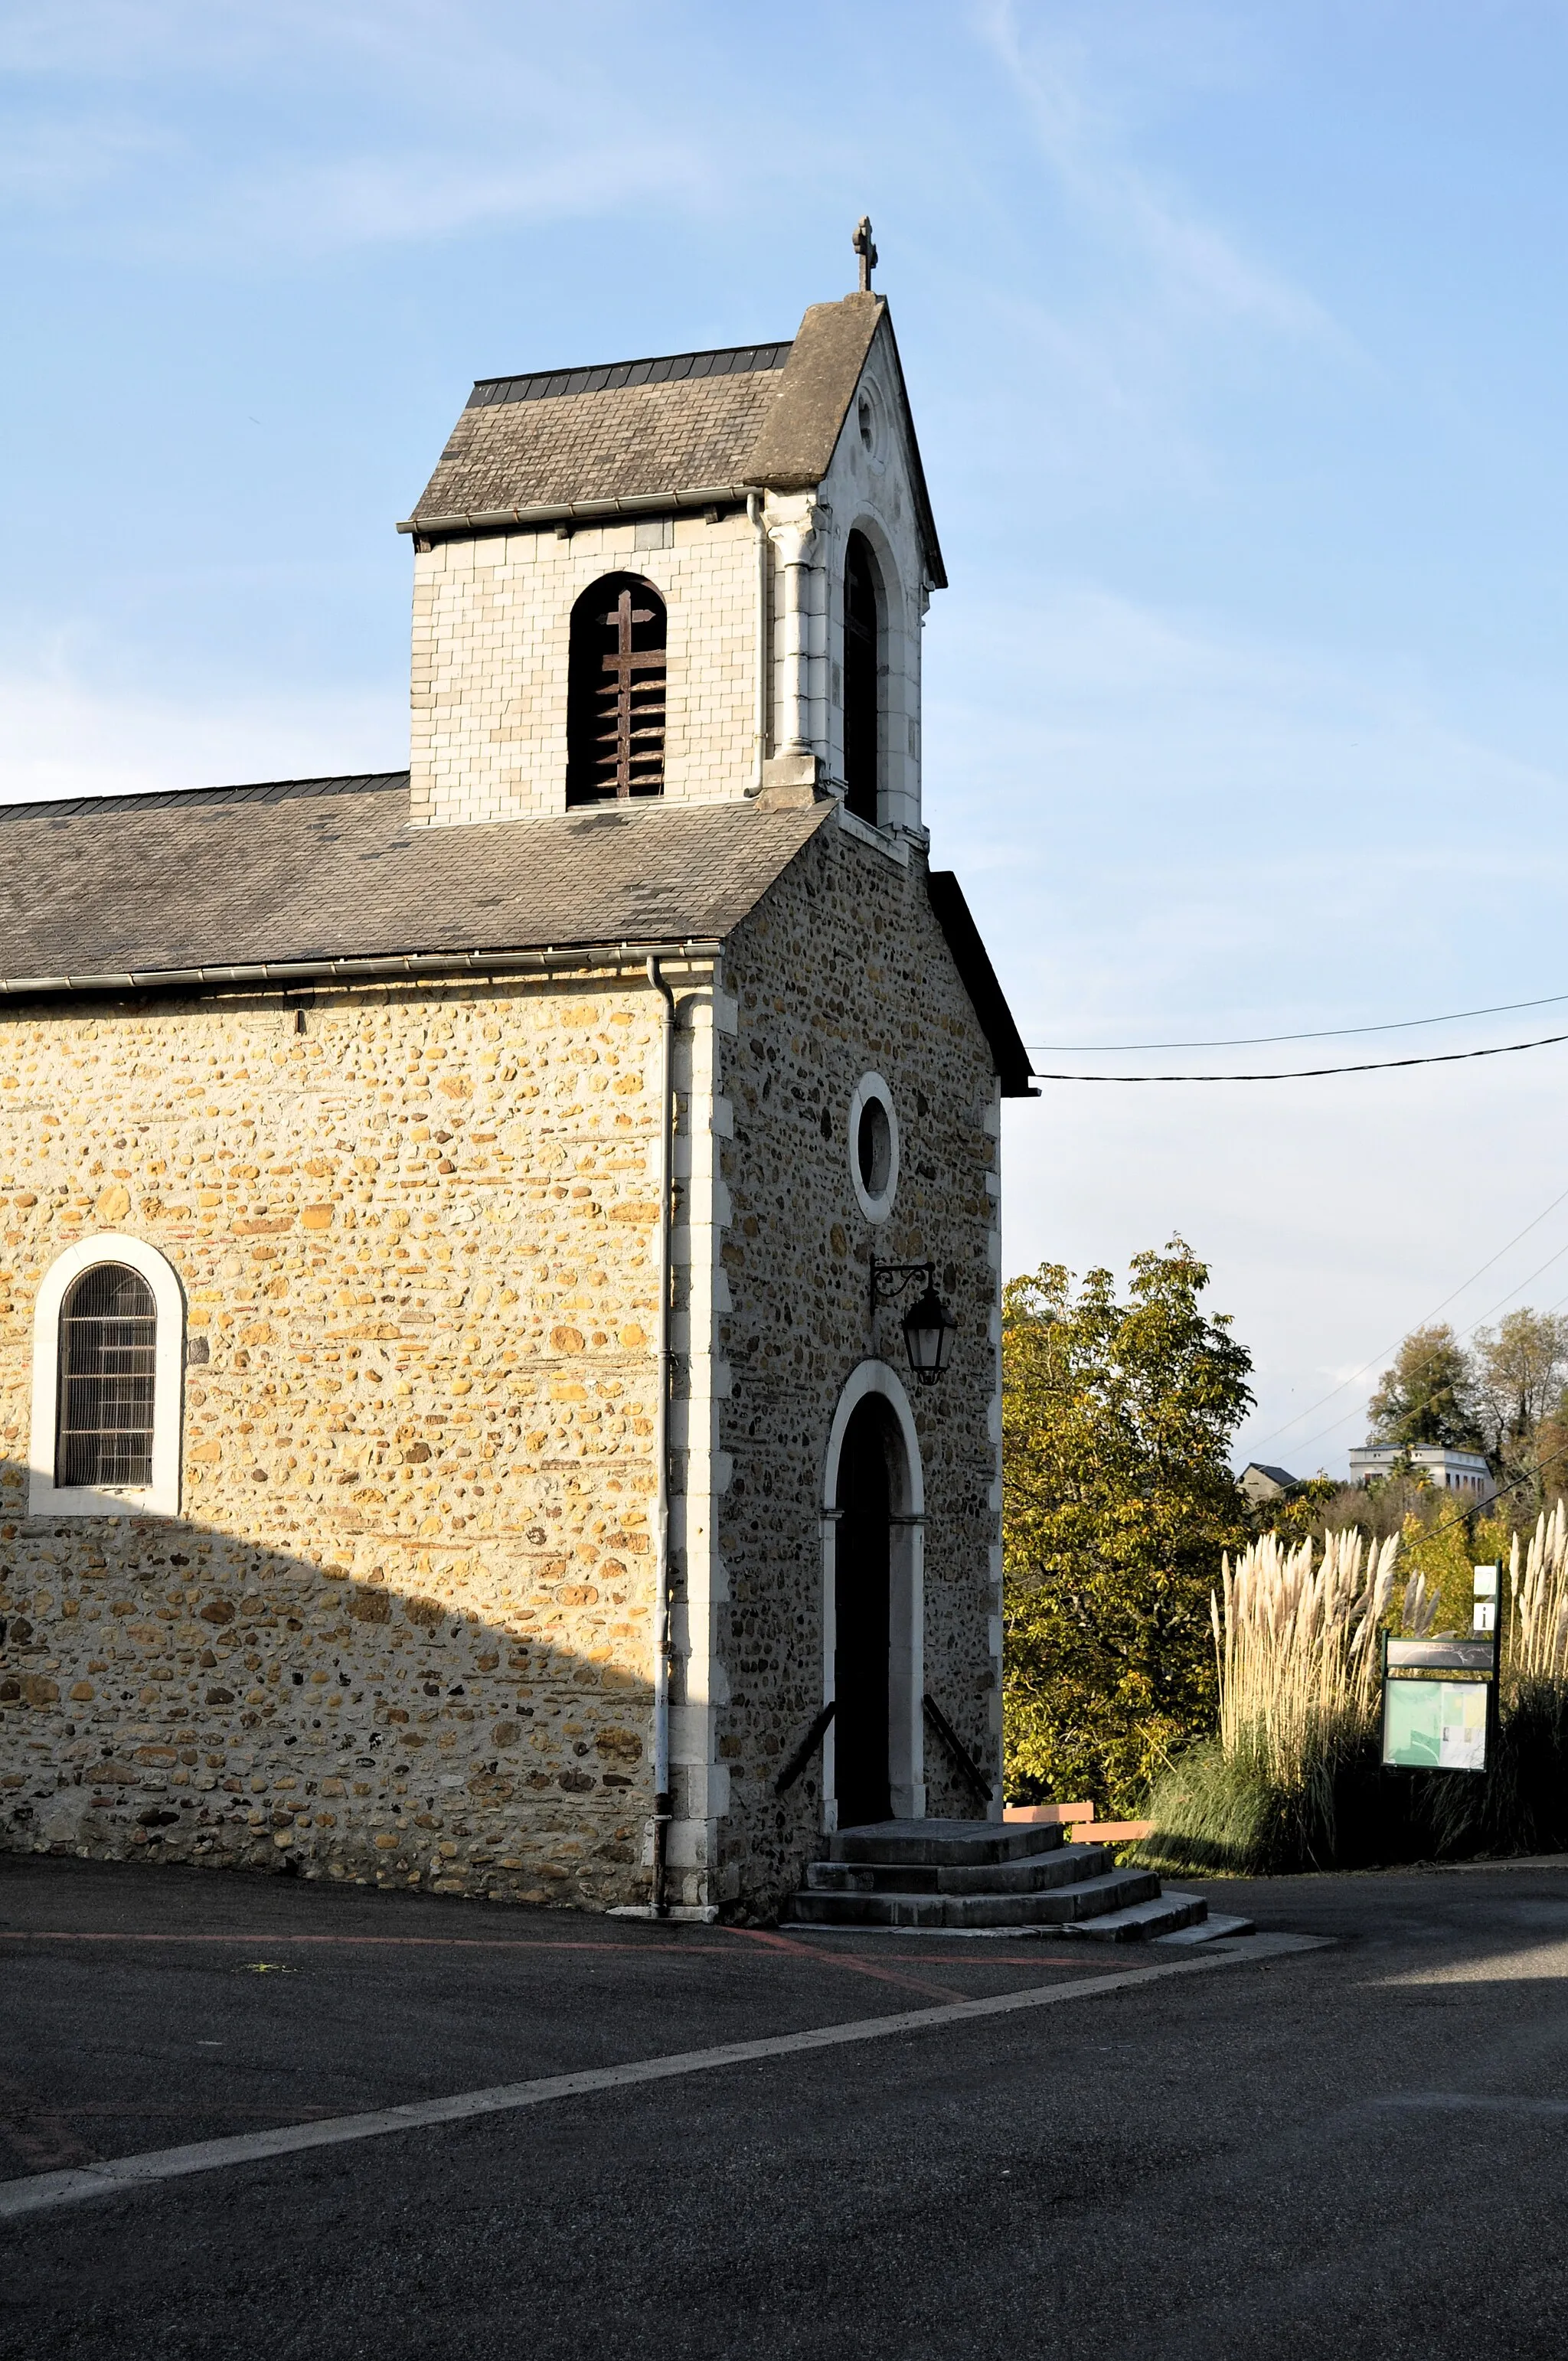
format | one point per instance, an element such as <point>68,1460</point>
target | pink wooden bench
<point>1079,1822</point>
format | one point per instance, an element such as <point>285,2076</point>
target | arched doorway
<point>873,1615</point>
<point>862,1593</point>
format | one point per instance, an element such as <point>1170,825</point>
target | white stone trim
<point>906,1620</point>
<point>701,1472</point>
<point>869,1087</point>
<point>894,846</point>
<point>162,1496</point>
<point>870,419</point>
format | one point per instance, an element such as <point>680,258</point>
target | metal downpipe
<point>759,525</point>
<point>662,1807</point>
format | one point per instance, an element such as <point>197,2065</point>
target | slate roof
<point>648,428</point>
<point>307,879</point>
<point>122,889</point>
<point>987,998</point>
<point>683,431</point>
<point>798,434</point>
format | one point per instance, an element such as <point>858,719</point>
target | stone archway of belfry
<point>874,1618</point>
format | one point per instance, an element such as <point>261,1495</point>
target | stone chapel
<point>500,1315</point>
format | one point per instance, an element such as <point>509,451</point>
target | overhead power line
<point>1463,1288</point>
<point>1356,1411</point>
<point>1312,1073</point>
<point>1265,1040</point>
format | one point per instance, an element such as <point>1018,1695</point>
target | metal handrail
<point>976,1780</point>
<point>806,1750</point>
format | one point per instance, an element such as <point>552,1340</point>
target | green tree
<point>1520,1368</point>
<point>1118,1499</point>
<point>1428,1394</point>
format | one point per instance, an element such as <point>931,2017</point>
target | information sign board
<point>1435,1725</point>
<point>1437,1700</point>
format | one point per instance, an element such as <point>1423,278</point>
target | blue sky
<point>1237,341</point>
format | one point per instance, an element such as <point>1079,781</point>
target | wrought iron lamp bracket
<point>890,1279</point>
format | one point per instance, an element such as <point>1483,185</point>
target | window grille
<point>615,721</point>
<point>862,718</point>
<point>108,1342</point>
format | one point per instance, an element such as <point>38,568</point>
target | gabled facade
<point>454,1432</point>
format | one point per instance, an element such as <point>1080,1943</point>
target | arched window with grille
<point>108,1344</point>
<point>615,708</point>
<point>862,679</point>
<point>108,1352</point>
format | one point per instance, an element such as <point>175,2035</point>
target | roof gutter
<point>390,969</point>
<point>539,513</point>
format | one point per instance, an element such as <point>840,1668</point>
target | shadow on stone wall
<point>171,1692</point>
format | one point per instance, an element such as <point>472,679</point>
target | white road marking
<point>1541,1963</point>
<point>1464,2103</point>
<point>42,2191</point>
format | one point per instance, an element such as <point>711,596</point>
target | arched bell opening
<point>864,671</point>
<point>615,695</point>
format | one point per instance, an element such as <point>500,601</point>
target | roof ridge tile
<point>609,377</point>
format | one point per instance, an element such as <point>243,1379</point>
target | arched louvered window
<point>862,688</point>
<point>108,1345</point>
<point>615,710</point>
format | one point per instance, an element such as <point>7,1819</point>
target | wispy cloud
<point>63,735</point>
<point>1196,264</point>
<point>357,201</point>
<point>229,131</point>
<point>1172,824</point>
<point>1140,797</point>
<point>50,164</point>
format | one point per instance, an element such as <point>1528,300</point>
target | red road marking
<point>406,1942</point>
<point>847,1960</point>
<point>861,1961</point>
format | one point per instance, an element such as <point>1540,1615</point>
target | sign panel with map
<point>1437,1699</point>
<point>1435,1725</point>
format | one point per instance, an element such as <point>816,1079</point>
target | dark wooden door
<point>861,1586</point>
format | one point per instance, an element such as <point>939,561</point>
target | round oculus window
<point>874,1147</point>
<point>869,421</point>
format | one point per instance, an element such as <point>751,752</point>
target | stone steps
<point>1057,1906</point>
<point>1037,1873</point>
<point>958,1843</point>
<point>969,1874</point>
<point>1218,1927</point>
<point>1139,1922</point>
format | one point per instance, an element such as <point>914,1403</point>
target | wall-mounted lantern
<point>928,1325</point>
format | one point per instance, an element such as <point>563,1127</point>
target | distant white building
<point>1449,1471</point>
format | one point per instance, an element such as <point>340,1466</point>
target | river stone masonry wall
<point>402,1628</point>
<point>842,970</point>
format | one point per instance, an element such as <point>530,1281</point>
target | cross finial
<point>861,242</point>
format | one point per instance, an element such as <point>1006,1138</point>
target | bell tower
<point>697,578</point>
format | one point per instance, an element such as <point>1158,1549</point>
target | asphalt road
<point>1357,2150</point>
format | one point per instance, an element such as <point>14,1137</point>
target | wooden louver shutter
<point>617,723</point>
